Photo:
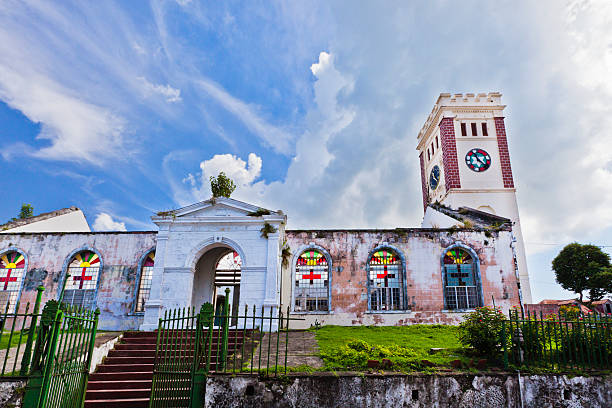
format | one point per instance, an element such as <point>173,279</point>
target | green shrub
<point>355,355</point>
<point>481,330</point>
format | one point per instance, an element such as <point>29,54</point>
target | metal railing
<point>192,345</point>
<point>17,334</point>
<point>61,357</point>
<point>559,341</point>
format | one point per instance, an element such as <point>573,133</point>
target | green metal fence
<point>559,341</point>
<point>62,357</point>
<point>17,335</point>
<point>192,345</point>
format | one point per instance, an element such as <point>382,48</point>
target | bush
<point>481,330</point>
<point>356,353</point>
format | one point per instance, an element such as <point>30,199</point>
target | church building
<point>467,253</point>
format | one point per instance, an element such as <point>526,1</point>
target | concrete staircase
<point>124,378</point>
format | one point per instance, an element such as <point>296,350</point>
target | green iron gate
<point>62,357</point>
<point>190,345</point>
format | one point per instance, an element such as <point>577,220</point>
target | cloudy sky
<point>311,107</point>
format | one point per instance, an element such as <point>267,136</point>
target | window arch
<point>462,289</point>
<point>12,270</point>
<point>82,284</point>
<point>144,282</point>
<point>386,280</point>
<point>312,288</point>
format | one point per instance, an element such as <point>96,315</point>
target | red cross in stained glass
<point>8,278</point>
<point>382,275</point>
<point>82,278</point>
<point>311,276</point>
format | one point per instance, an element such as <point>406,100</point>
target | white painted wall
<point>72,222</point>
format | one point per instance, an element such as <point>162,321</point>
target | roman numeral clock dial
<point>478,160</point>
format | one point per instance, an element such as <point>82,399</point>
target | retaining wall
<point>457,390</point>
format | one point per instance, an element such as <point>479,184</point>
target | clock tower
<point>463,152</point>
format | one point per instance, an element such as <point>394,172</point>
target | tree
<point>222,186</point>
<point>27,211</point>
<point>582,267</point>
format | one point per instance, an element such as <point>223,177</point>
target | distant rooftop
<point>41,217</point>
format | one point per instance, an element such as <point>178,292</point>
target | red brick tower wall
<point>423,181</point>
<point>449,153</point>
<point>504,155</point>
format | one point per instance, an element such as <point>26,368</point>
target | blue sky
<point>124,109</point>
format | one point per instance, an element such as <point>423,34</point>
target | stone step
<point>124,368</point>
<point>119,384</point>
<point>118,403</point>
<point>108,394</point>
<point>121,376</point>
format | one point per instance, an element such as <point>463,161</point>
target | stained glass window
<point>12,268</point>
<point>144,286</point>
<point>461,289</point>
<point>81,285</point>
<point>386,281</point>
<point>312,282</point>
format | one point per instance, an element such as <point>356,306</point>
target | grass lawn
<point>349,348</point>
<point>4,339</point>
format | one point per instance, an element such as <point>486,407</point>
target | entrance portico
<point>190,242</point>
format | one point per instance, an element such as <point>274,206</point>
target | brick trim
<point>423,181</point>
<point>504,155</point>
<point>449,153</point>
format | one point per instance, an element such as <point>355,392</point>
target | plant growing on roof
<point>222,186</point>
<point>260,212</point>
<point>267,229</point>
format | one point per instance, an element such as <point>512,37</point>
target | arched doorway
<point>217,269</point>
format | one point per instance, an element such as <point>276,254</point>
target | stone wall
<point>11,393</point>
<point>422,250</point>
<point>47,255</point>
<point>461,391</point>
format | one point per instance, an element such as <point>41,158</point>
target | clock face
<point>434,177</point>
<point>478,160</point>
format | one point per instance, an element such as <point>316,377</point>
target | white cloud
<point>273,136</point>
<point>105,222</point>
<point>242,173</point>
<point>170,94</point>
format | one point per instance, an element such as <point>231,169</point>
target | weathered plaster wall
<point>120,254</point>
<point>422,250</point>
<point>462,391</point>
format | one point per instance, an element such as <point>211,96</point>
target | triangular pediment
<point>218,207</point>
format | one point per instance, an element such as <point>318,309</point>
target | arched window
<point>144,285</point>
<point>385,283</point>
<point>80,290</point>
<point>461,283</point>
<point>12,270</point>
<point>312,282</point>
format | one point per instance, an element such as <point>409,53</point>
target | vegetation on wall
<point>259,213</point>
<point>267,229</point>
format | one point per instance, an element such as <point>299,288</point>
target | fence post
<point>27,352</point>
<point>198,386</point>
<point>49,363</point>
<point>504,345</point>
<point>225,321</point>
